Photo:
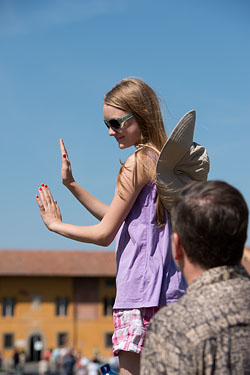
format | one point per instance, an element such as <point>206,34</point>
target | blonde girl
<point>147,277</point>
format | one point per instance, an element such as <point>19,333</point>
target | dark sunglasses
<point>116,123</point>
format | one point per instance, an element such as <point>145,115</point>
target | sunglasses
<point>116,123</point>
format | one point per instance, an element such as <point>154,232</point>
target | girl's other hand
<point>49,210</point>
<point>67,176</point>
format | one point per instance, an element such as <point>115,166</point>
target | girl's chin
<point>123,146</point>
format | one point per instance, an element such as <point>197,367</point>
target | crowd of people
<point>65,361</point>
<point>60,361</point>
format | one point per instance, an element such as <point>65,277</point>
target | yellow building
<point>51,299</point>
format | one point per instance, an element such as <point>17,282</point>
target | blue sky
<point>57,60</point>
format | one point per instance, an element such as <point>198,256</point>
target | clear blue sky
<point>57,60</point>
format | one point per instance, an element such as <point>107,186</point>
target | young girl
<point>147,277</point>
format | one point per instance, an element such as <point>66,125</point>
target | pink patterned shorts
<point>130,328</point>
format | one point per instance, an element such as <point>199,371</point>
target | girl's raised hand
<point>49,210</point>
<point>67,176</point>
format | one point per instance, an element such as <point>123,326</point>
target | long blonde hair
<point>132,95</point>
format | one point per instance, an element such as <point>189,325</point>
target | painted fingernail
<point>45,186</point>
<point>40,189</point>
<point>42,185</point>
<point>64,156</point>
<point>37,197</point>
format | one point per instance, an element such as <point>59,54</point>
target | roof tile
<point>57,263</point>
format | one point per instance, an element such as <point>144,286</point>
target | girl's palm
<point>66,172</point>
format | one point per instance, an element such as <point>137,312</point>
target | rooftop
<point>57,263</point>
<point>74,263</point>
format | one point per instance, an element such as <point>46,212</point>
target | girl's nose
<point>112,132</point>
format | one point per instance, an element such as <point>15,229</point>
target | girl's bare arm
<point>93,205</point>
<point>104,232</point>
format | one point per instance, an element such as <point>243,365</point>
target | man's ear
<point>177,248</point>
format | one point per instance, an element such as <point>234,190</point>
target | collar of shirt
<point>216,275</point>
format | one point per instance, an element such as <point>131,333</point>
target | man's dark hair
<point>211,219</point>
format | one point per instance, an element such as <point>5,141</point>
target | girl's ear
<point>177,248</point>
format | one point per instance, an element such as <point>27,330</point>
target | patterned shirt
<point>206,332</point>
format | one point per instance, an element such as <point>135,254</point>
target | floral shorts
<point>130,328</point>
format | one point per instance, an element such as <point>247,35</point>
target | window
<point>108,339</point>
<point>62,339</point>
<point>110,283</point>
<point>36,301</point>
<point>61,306</point>
<point>108,305</point>
<point>8,340</point>
<point>8,306</point>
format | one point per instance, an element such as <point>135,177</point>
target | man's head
<point>210,219</point>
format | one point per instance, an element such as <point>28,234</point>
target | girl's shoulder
<point>141,157</point>
<point>142,163</point>
<point>148,151</point>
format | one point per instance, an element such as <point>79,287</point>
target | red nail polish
<point>40,189</point>
<point>45,186</point>
<point>37,197</point>
<point>42,185</point>
<point>64,156</point>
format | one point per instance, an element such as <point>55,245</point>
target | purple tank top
<point>146,273</point>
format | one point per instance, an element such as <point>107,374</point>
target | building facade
<point>53,299</point>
